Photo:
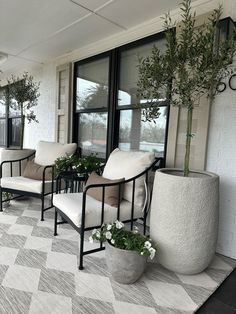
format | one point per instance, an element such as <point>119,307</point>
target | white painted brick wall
<point>221,159</point>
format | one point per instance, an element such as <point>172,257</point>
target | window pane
<point>145,136</point>
<point>14,131</point>
<point>14,112</point>
<point>93,133</point>
<point>92,84</point>
<point>2,132</point>
<point>2,105</point>
<point>129,72</point>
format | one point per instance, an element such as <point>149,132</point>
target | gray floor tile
<point>43,232</point>
<point>65,246</point>
<point>13,211</point>
<point>11,240</point>
<point>27,221</point>
<point>14,301</point>
<point>4,227</point>
<point>90,306</point>
<point>137,293</point>
<point>58,282</point>
<point>3,270</point>
<point>31,258</point>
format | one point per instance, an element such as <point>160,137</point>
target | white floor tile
<point>94,286</point>
<point>20,230</point>
<point>61,261</point>
<point>8,255</point>
<point>218,263</point>
<point>128,308</point>
<point>32,213</point>
<point>49,223</point>
<point>170,295</point>
<point>202,280</point>
<point>22,278</point>
<point>48,303</point>
<point>7,219</point>
<point>38,243</point>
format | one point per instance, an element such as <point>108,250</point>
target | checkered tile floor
<point>39,275</point>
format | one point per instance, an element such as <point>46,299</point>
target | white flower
<point>112,241</point>
<point>90,239</point>
<point>108,235</point>
<point>94,231</point>
<point>109,226</point>
<point>142,253</point>
<point>152,252</point>
<point>119,224</point>
<point>147,245</point>
<point>98,234</point>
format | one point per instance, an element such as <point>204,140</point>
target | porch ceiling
<point>34,31</point>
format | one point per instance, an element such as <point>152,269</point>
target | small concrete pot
<point>125,266</point>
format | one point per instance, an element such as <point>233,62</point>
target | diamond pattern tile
<point>39,273</point>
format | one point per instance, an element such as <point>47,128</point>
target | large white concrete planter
<point>184,219</point>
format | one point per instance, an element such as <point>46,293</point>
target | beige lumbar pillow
<point>35,171</point>
<point>111,192</point>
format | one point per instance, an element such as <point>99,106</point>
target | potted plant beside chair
<point>184,212</point>
<point>126,251</point>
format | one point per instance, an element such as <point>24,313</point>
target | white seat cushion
<point>25,184</point>
<point>126,165</point>
<point>71,205</point>
<point>48,152</point>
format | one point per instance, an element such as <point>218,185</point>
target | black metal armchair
<point>16,184</point>
<point>85,213</point>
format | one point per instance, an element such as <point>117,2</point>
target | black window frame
<point>8,125</point>
<point>113,108</point>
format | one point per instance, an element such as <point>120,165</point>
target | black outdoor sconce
<point>225,30</point>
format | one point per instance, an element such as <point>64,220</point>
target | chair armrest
<point>14,161</point>
<point>44,172</point>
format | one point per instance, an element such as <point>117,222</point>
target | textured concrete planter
<point>184,219</point>
<point>125,266</point>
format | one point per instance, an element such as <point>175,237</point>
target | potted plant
<point>79,165</point>
<point>22,94</point>
<point>6,197</point>
<point>126,251</point>
<point>184,213</point>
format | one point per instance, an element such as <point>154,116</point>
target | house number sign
<point>221,87</point>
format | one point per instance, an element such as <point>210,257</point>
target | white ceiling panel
<point>133,12</point>
<point>85,32</point>
<point>15,64</point>
<point>24,22</point>
<point>92,4</point>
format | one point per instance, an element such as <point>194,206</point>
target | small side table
<point>70,182</point>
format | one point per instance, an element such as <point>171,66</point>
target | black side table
<point>70,182</point>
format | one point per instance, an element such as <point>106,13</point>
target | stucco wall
<point>221,159</point>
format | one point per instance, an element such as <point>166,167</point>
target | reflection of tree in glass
<point>95,97</point>
<point>93,126</point>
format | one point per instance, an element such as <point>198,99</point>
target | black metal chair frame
<point>21,193</point>
<point>82,229</point>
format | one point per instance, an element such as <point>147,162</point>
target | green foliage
<point>190,67</point>
<point>124,239</point>
<point>83,165</point>
<point>22,94</point>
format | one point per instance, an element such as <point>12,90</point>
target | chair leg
<point>81,250</point>
<point>42,208</point>
<point>55,223</point>
<point>1,200</point>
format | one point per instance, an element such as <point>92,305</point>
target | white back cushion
<point>126,165</point>
<point>48,152</point>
